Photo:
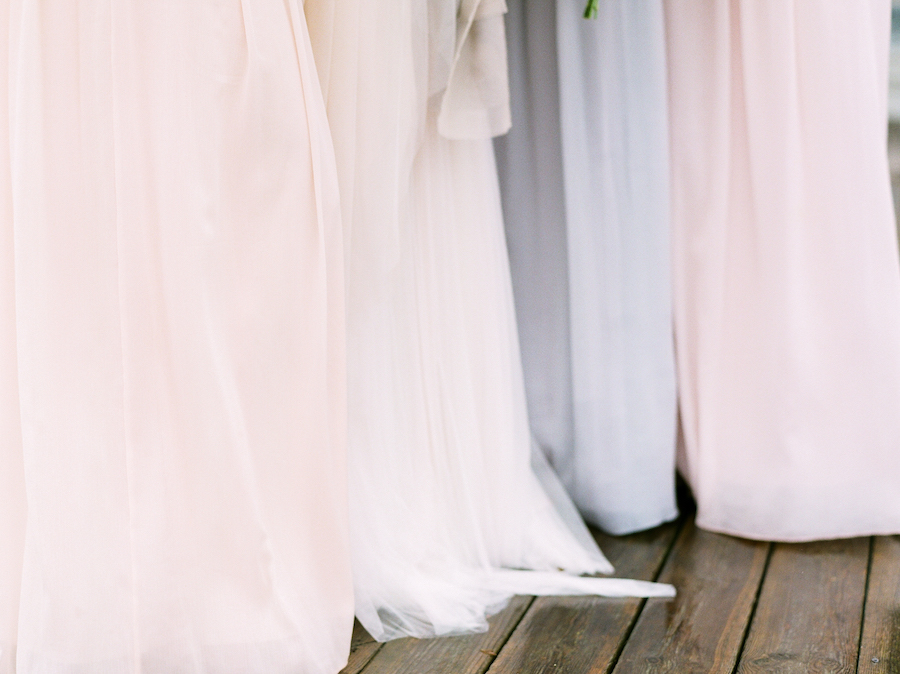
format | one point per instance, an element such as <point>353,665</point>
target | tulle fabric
<point>585,173</point>
<point>787,283</point>
<point>172,468</point>
<point>445,507</point>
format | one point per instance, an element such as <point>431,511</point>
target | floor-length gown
<point>787,282</point>
<point>584,174</point>
<point>445,505</point>
<point>172,393</point>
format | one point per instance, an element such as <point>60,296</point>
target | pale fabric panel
<point>12,478</point>
<point>615,151</point>
<point>787,281</point>
<point>179,320</point>
<point>584,173</point>
<point>529,161</point>
<point>475,102</point>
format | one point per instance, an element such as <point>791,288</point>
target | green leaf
<point>590,12</point>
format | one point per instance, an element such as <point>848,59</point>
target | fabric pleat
<point>787,281</point>
<point>172,384</point>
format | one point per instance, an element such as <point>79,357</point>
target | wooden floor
<point>742,606</point>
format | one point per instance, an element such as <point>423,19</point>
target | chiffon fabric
<point>446,508</point>
<point>585,180</point>
<point>172,466</point>
<point>787,282</point>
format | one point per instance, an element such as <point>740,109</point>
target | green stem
<point>590,12</point>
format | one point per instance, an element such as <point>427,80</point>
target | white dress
<point>172,462</point>
<point>445,505</point>
<point>584,175</point>
<point>787,275</point>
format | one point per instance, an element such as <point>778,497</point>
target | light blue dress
<point>584,175</point>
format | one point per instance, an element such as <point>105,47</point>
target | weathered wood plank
<point>470,654</point>
<point>879,651</point>
<point>362,649</point>
<point>810,609</point>
<point>583,634</point>
<point>701,630</point>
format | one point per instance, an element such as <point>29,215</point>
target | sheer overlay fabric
<point>172,384</point>
<point>787,282</point>
<point>446,508</point>
<point>585,179</point>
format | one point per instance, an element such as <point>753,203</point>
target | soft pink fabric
<point>171,343</point>
<point>787,284</point>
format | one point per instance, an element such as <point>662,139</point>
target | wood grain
<point>362,649</point>
<point>810,609</point>
<point>879,651</point>
<point>470,654</point>
<point>583,634</point>
<point>702,629</point>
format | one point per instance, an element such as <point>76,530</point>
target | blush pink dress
<point>787,282</point>
<point>172,469</point>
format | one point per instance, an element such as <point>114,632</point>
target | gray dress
<point>584,175</point>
